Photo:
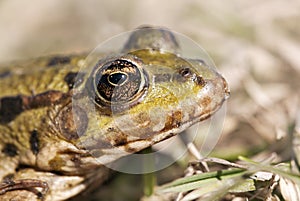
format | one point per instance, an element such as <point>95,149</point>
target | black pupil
<point>118,81</point>
<point>117,78</point>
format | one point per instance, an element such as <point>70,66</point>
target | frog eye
<point>119,83</point>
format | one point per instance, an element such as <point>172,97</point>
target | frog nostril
<point>185,72</point>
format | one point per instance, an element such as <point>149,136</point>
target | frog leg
<point>28,184</point>
<point>10,181</point>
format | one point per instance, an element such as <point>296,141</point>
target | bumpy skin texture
<point>57,118</point>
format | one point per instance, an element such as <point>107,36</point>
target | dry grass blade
<point>289,190</point>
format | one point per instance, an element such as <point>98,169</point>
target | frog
<point>60,126</point>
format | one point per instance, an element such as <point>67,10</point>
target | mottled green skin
<point>172,102</point>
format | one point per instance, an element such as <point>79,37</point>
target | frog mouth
<point>116,152</point>
<point>138,145</point>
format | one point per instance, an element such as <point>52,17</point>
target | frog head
<point>146,93</point>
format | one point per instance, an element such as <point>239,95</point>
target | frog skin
<point>60,125</point>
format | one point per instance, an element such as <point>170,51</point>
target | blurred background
<point>255,45</point>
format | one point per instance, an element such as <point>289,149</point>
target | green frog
<point>60,126</point>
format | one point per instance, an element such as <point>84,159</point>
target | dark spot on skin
<point>173,121</point>
<point>73,122</point>
<point>39,195</point>
<point>74,79</point>
<point>199,80</point>
<point>34,142</point>
<point>10,150</point>
<point>42,99</point>
<point>56,163</point>
<point>10,107</point>
<point>76,160</point>
<point>5,74</point>
<point>178,124</point>
<point>57,60</point>
<point>8,179</point>
<point>21,167</point>
<point>120,141</point>
<point>177,119</point>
